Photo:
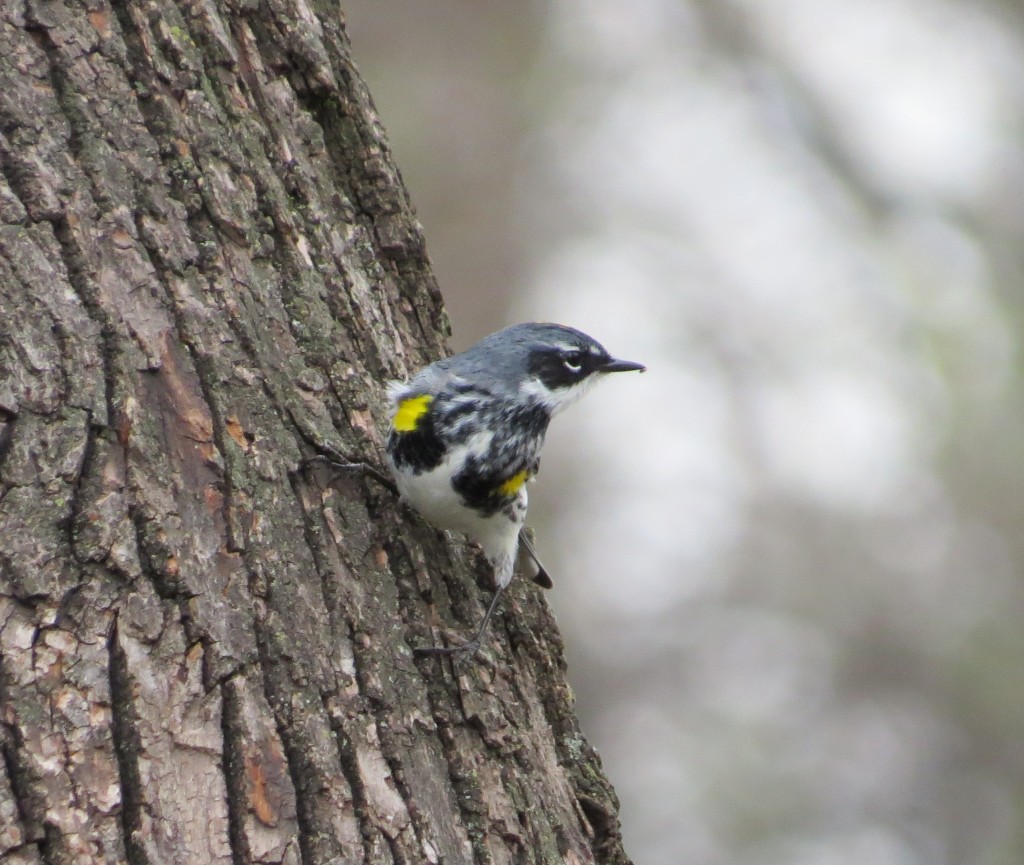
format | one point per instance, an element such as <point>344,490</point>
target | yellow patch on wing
<point>514,483</point>
<point>409,412</point>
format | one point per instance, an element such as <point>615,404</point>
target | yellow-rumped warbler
<point>466,435</point>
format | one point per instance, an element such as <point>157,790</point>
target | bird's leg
<point>473,644</point>
<point>337,462</point>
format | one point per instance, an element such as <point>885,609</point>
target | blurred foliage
<point>789,559</point>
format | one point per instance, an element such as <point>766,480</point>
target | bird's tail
<point>528,564</point>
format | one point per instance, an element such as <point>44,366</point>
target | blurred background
<point>789,558</point>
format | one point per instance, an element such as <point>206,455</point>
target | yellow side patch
<point>514,483</point>
<point>409,412</point>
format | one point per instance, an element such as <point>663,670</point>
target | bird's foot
<point>339,463</point>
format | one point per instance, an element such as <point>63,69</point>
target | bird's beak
<point>615,365</point>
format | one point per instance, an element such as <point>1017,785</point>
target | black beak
<point>615,365</point>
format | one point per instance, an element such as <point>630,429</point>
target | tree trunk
<point>209,270</point>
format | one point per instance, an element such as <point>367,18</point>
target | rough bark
<point>208,268</point>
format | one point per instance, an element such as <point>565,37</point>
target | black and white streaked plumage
<point>467,431</point>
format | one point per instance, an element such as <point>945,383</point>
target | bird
<point>467,431</point>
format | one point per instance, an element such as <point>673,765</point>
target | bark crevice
<point>29,809</point>
<point>233,761</point>
<point>127,746</point>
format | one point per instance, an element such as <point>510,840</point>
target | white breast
<point>431,493</point>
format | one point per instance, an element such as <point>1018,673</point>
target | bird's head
<point>556,364</point>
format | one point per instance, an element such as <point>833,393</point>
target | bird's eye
<point>573,361</point>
